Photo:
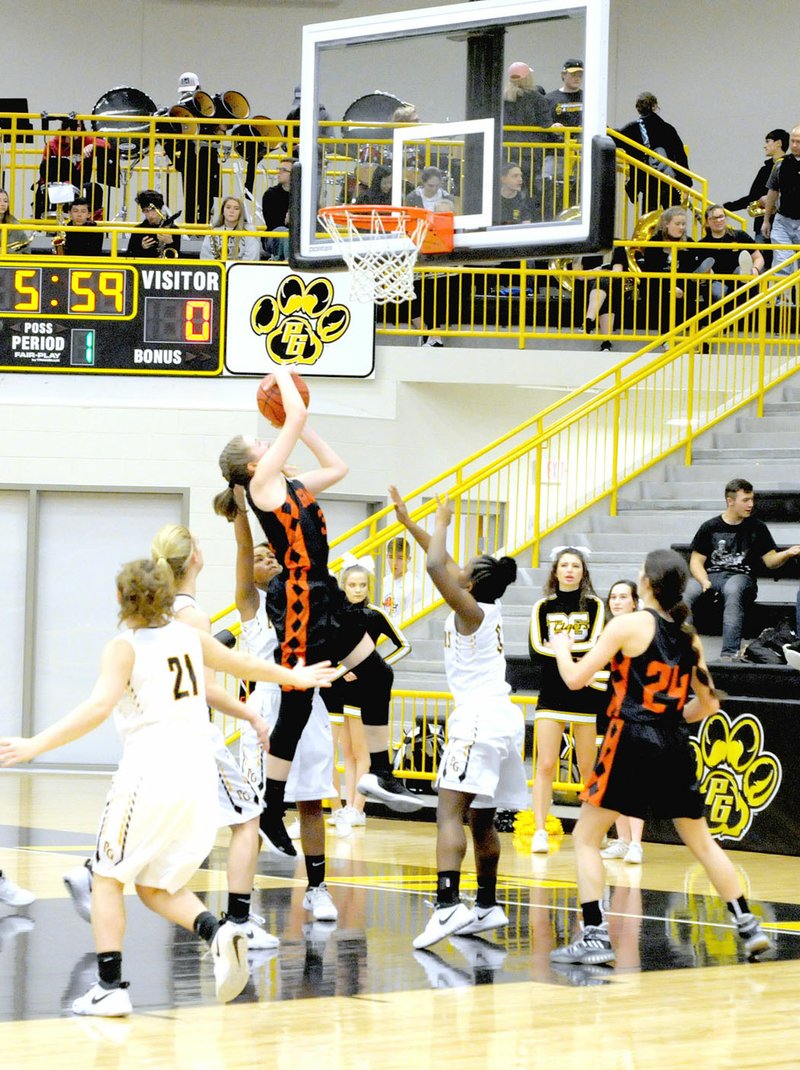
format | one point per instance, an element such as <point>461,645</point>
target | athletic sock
<point>487,892</point>
<point>447,887</point>
<point>273,799</point>
<point>739,906</point>
<point>379,763</point>
<point>592,912</point>
<point>238,908</point>
<point>206,925</point>
<point>315,868</point>
<point>109,968</point>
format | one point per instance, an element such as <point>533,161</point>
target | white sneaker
<point>341,825</point>
<point>745,263</point>
<point>445,920</point>
<point>484,919</point>
<point>617,849</point>
<point>293,830</point>
<point>104,1002</point>
<point>229,950</point>
<point>318,901</point>
<point>540,842</point>
<point>14,895</point>
<point>634,854</point>
<point>79,886</point>
<point>258,939</point>
<point>355,818</point>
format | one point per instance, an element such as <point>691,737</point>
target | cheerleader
<point>569,605</point>
<point>347,700</point>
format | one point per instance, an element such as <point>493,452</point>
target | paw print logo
<point>738,777</point>
<point>299,320</point>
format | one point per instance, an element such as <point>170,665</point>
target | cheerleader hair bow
<point>351,561</point>
<point>583,550</point>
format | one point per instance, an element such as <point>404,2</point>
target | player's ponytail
<point>233,463</point>
<point>146,593</point>
<point>668,574</point>
<point>172,548</point>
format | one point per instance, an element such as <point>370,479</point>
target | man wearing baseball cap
<point>568,100</point>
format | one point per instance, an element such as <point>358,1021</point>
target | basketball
<point>270,402</point>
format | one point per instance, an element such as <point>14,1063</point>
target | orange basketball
<point>270,401</point>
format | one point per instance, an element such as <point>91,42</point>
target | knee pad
<point>293,715</point>
<point>375,680</point>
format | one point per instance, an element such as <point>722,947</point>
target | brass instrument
<point>165,252</point>
<point>565,263</point>
<point>754,209</point>
<point>57,243</point>
<point>18,246</point>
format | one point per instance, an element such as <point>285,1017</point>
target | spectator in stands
<point>151,245</point>
<point>18,241</point>
<point>81,236</point>
<point>275,208</point>
<point>606,294</point>
<point>729,261</point>
<point>524,105</point>
<point>69,157</point>
<point>567,103</point>
<point>515,205</point>
<point>380,187</point>
<point>776,142</point>
<point>429,192</point>
<point>401,590</point>
<point>653,133</point>
<point>783,201</point>
<point>725,552</point>
<point>237,246</point>
<point>654,295</point>
<point>292,131</point>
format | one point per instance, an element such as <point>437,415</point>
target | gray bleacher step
<point>768,424</point>
<point>746,440</point>
<point>709,472</point>
<point>632,505</point>
<point>738,457</point>
<point>691,491</point>
<point>779,407</point>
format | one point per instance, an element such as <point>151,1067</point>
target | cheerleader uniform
<point>367,696</point>
<point>160,816</point>
<point>485,731</point>
<point>646,763</point>
<point>561,612</point>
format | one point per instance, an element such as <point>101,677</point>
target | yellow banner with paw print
<point>738,776</point>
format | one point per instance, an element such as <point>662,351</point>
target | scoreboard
<point>70,315</point>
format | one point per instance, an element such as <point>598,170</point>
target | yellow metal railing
<point>585,447</point>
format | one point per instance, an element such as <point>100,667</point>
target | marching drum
<point>375,107</point>
<point>113,108</point>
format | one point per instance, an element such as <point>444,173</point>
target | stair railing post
<point>615,449</point>
<point>687,458</point>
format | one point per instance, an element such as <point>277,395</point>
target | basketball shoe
<point>389,791</point>
<point>104,1002</point>
<point>592,948</point>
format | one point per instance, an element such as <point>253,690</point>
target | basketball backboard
<point>452,63</point>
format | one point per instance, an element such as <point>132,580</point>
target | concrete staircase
<point>665,506</point>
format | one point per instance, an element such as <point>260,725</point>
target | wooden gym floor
<point>355,994</point>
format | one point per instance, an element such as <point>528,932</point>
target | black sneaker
<point>386,789</point>
<point>754,940</point>
<point>275,837</point>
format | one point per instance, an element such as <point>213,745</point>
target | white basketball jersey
<point>475,664</point>
<point>166,695</point>
<point>260,638</point>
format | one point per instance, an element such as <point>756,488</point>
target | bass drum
<point>118,103</point>
<point>375,107</point>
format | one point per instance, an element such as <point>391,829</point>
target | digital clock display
<point>98,293</point>
<point>178,319</point>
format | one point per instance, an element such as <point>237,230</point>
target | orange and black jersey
<point>652,687</point>
<point>562,612</point>
<point>302,602</point>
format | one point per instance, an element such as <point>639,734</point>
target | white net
<point>380,249</point>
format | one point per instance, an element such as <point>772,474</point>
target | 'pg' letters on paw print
<point>737,775</point>
<point>299,320</point>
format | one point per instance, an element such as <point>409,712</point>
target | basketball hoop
<point>380,243</point>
